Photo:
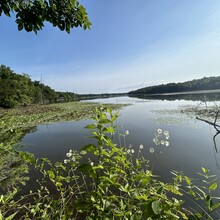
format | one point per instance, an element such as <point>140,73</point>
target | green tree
<point>8,95</point>
<point>31,14</point>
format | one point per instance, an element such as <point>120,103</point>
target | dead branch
<point>216,126</point>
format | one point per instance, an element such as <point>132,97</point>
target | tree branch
<point>216,126</point>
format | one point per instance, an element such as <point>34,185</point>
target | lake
<point>190,144</point>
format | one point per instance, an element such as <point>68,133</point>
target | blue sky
<point>131,44</point>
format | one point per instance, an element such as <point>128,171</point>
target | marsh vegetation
<point>113,174</point>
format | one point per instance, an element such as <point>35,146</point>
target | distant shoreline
<point>199,95</point>
<point>188,92</point>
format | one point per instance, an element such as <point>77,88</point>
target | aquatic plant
<point>15,123</point>
<point>107,181</point>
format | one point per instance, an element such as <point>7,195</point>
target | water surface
<point>191,145</point>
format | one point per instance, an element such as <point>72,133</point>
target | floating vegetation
<point>172,120</point>
<point>202,111</point>
<point>16,122</point>
<point>184,114</point>
<point>39,114</point>
<point>171,117</point>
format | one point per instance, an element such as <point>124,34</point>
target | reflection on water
<point>190,146</point>
<point>203,97</point>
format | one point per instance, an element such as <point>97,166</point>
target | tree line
<point>206,83</point>
<point>19,89</point>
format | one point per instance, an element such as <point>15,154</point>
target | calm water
<point>190,148</point>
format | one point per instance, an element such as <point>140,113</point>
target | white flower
<point>166,133</point>
<point>69,154</point>
<point>141,146</point>
<point>73,159</point>
<point>167,136</point>
<point>162,142</point>
<point>127,132</point>
<point>65,161</point>
<point>167,143</point>
<point>159,131</point>
<point>92,163</point>
<point>156,141</point>
<point>151,150</point>
<point>128,151</point>
<point>132,151</point>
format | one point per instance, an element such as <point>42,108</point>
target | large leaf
<point>156,206</point>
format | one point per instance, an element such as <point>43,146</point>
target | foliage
<point>31,14</point>
<point>11,164</point>
<point>106,181</point>
<point>16,122</point>
<point>206,83</point>
<point>18,89</point>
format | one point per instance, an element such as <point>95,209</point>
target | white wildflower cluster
<point>126,133</point>
<point>130,149</point>
<point>70,157</point>
<point>161,137</point>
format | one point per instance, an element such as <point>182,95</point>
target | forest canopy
<point>19,89</point>
<point>206,83</point>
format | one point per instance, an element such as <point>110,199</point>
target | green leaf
<point>89,147</point>
<point>171,214</point>
<point>86,168</point>
<point>213,186</point>
<point>14,6</point>
<point>111,129</point>
<point>59,184</point>
<point>114,117</point>
<point>156,206</point>
<point>147,210</point>
<point>204,170</point>
<point>174,189</point>
<point>160,190</point>
<point>51,174</point>
<point>11,216</point>
<point>91,126</point>
<point>108,130</point>
<point>19,21</point>
<point>6,10</point>
<point>109,110</point>
<point>20,27</point>
<point>187,179</point>
<point>215,206</point>
<point>106,121</point>
<point>208,201</point>
<point>44,159</point>
<point>183,215</point>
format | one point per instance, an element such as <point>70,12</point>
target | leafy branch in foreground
<point>31,14</point>
<point>106,181</point>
